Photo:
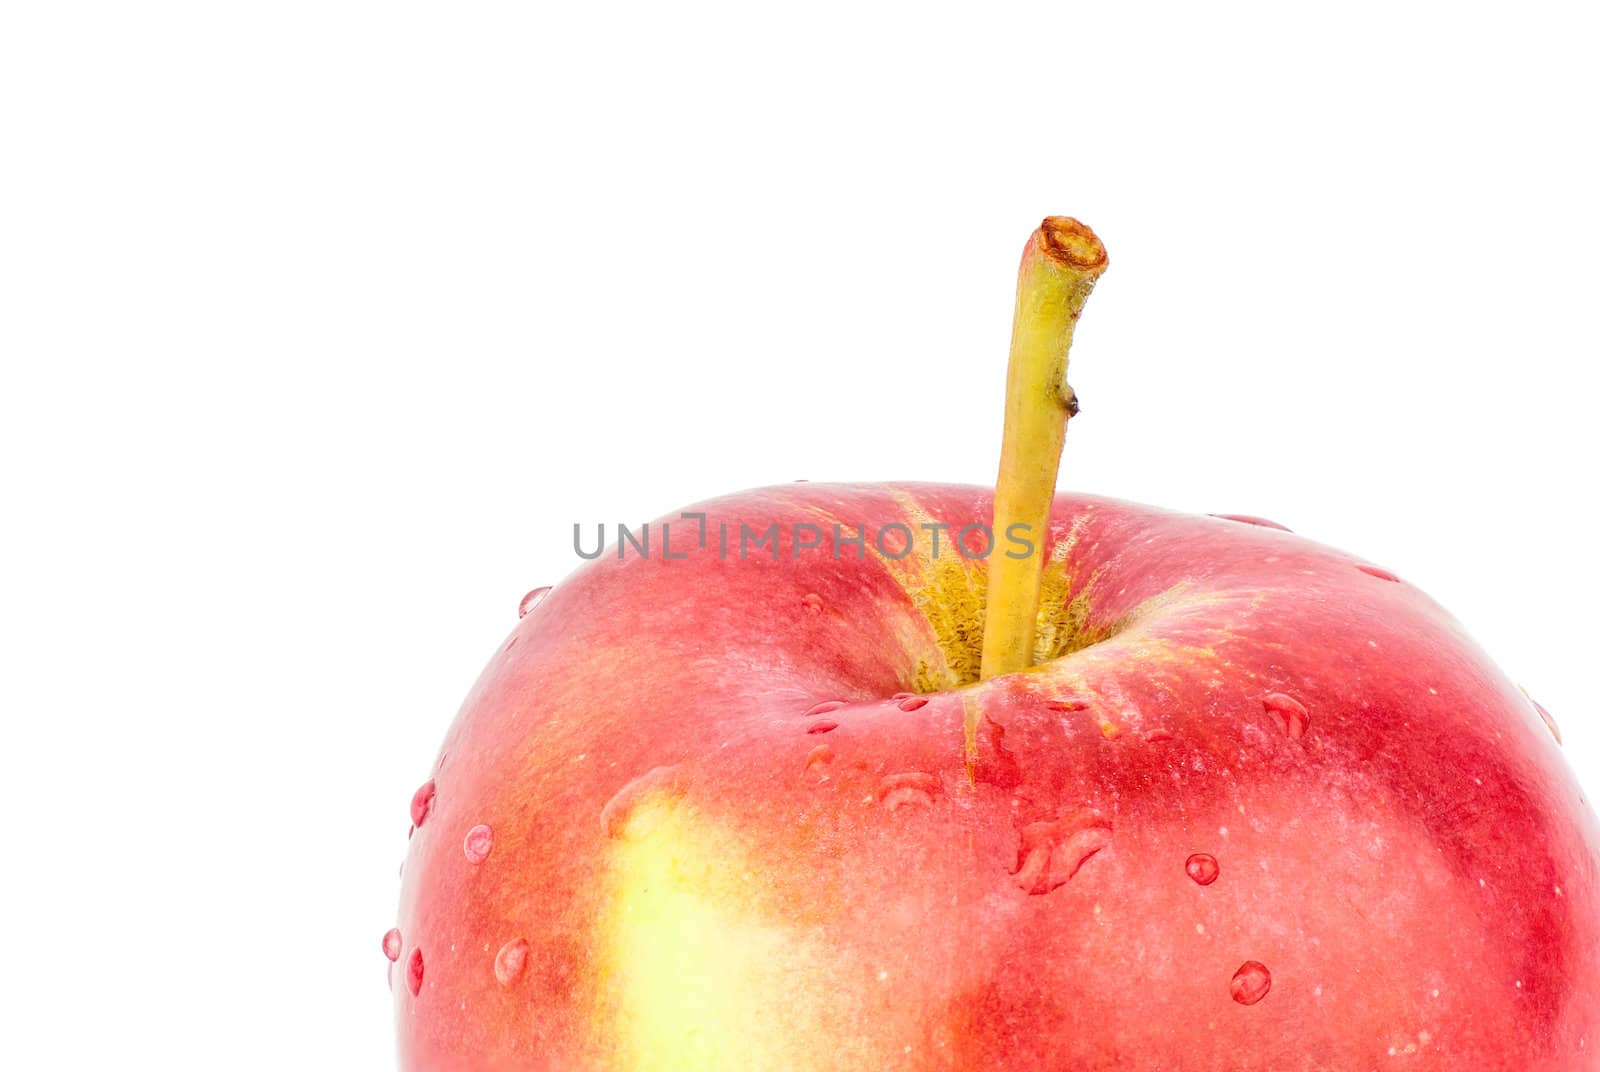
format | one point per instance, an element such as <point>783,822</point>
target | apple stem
<point>1060,264</point>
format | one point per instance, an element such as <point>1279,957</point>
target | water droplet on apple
<point>414,972</point>
<point>824,725</point>
<point>1250,983</point>
<point>391,944</point>
<point>1202,867</point>
<point>1549,719</point>
<point>421,804</point>
<point>1289,713</point>
<point>994,764</point>
<point>1050,853</point>
<point>812,603</point>
<point>635,811</point>
<point>1250,519</point>
<point>823,708</point>
<point>913,703</point>
<point>1378,572</point>
<point>478,844</point>
<point>911,788</point>
<point>532,600</point>
<point>510,961</point>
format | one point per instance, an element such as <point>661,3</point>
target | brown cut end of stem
<point>1072,243</point>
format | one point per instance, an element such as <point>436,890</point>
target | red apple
<point>1212,797</point>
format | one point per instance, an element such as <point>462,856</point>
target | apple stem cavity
<point>1060,265</point>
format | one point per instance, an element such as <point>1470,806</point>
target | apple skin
<point>688,872</point>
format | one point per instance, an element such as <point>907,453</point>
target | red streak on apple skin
<point>1416,867</point>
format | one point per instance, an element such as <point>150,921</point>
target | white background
<point>323,322</point>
